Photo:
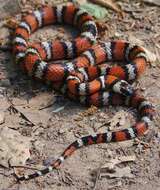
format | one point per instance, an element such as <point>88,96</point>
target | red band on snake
<point>86,78</point>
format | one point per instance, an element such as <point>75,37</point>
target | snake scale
<point>86,77</point>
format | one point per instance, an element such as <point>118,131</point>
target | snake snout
<point>123,87</point>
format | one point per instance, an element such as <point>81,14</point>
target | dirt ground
<point>54,121</point>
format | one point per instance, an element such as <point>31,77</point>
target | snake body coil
<point>86,77</point>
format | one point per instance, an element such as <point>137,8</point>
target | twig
<point>47,106</point>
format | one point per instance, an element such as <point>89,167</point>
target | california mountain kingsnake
<point>86,77</point>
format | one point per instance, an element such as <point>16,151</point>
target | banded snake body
<point>86,77</point>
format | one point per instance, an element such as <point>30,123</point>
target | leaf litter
<point>113,26</point>
<point>14,148</point>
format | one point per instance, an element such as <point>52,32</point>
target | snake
<point>86,76</point>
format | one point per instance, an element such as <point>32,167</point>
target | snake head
<point>123,87</point>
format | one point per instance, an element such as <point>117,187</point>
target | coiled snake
<point>86,78</point>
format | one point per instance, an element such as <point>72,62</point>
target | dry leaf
<point>112,171</point>
<point>113,162</point>
<point>41,100</point>
<point>14,148</point>
<point>35,117</point>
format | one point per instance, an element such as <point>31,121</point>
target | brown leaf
<point>14,148</point>
<point>33,116</point>
<point>113,162</point>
